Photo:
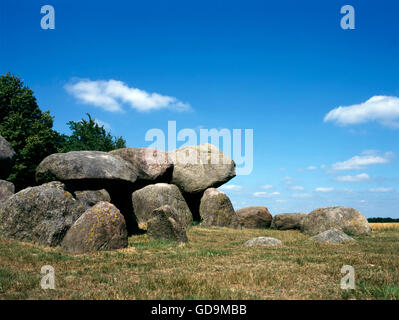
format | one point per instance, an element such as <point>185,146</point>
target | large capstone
<point>349,220</point>
<point>151,165</point>
<point>101,227</point>
<point>197,168</point>
<point>40,214</point>
<point>7,157</point>
<point>85,166</point>
<point>151,197</point>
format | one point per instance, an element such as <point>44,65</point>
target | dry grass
<point>213,265</point>
<point>385,226</point>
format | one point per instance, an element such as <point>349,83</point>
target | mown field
<point>213,265</point>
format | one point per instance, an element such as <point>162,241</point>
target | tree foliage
<point>30,131</point>
<point>26,128</point>
<point>89,135</point>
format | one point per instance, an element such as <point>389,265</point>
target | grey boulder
<point>80,166</point>
<point>332,236</point>
<point>40,214</point>
<point>7,157</point>
<point>263,241</point>
<point>7,189</point>
<point>90,198</point>
<point>255,217</point>
<point>151,165</point>
<point>349,220</point>
<point>151,197</point>
<point>166,224</point>
<point>216,210</point>
<point>197,168</point>
<point>101,227</point>
<point>287,221</point>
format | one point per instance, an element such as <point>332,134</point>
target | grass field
<point>214,265</point>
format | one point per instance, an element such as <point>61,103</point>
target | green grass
<point>213,265</point>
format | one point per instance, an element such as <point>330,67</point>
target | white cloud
<point>381,190</point>
<point>266,187</point>
<point>266,194</point>
<point>367,158</point>
<point>231,187</point>
<point>281,201</point>
<point>110,95</point>
<point>301,195</point>
<point>104,124</point>
<point>297,188</point>
<point>381,109</point>
<point>356,178</point>
<point>324,189</point>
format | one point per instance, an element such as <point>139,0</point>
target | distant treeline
<point>382,220</point>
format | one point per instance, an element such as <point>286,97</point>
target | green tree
<point>89,135</point>
<point>26,128</point>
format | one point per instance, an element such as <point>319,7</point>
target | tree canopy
<point>89,135</point>
<point>26,128</point>
<point>30,131</point>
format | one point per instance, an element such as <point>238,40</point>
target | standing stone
<point>332,236</point>
<point>348,220</point>
<point>7,189</point>
<point>166,224</point>
<point>287,221</point>
<point>40,214</point>
<point>255,217</point>
<point>101,227</point>
<point>216,210</point>
<point>7,157</point>
<point>90,198</point>
<point>151,165</point>
<point>197,168</point>
<point>151,197</point>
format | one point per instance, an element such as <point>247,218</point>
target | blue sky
<point>276,68</point>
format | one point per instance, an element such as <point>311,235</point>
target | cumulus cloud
<point>381,109</point>
<point>356,178</point>
<point>232,187</point>
<point>266,194</point>
<point>367,158</point>
<point>110,95</point>
<point>297,188</point>
<point>381,190</point>
<point>324,189</point>
<point>266,187</point>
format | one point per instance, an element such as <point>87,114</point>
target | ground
<point>213,265</point>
